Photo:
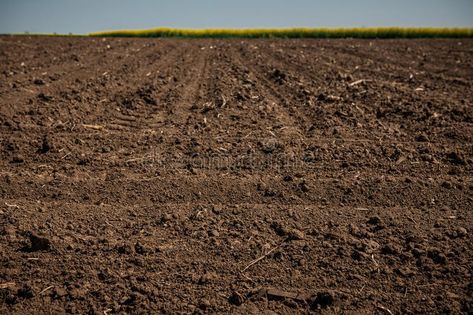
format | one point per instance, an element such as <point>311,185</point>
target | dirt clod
<point>46,145</point>
<point>38,243</point>
<point>462,232</point>
<point>18,158</point>
<point>26,292</point>
<point>375,220</point>
<point>38,81</point>
<point>295,234</point>
<point>141,249</point>
<point>236,298</point>
<point>59,292</point>
<point>422,138</point>
<point>323,299</point>
<point>124,249</point>
<point>437,256</point>
<point>456,158</point>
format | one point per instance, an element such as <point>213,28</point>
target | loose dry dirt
<point>236,176</point>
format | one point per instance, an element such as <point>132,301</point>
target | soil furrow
<point>235,176</point>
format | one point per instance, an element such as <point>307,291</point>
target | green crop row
<point>369,32</point>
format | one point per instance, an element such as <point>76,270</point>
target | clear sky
<point>83,16</point>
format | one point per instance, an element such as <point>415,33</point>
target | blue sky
<point>83,16</point>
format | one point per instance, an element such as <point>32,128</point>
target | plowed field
<point>236,176</point>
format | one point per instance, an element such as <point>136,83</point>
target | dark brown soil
<point>236,176</point>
